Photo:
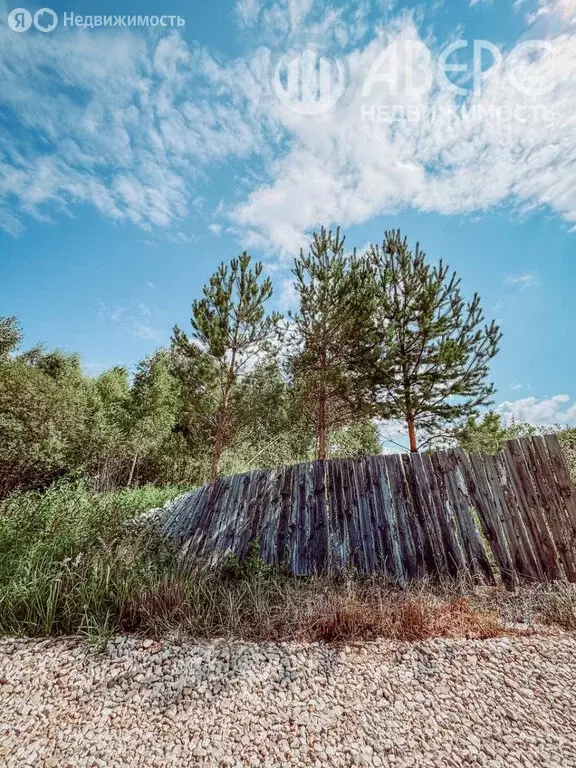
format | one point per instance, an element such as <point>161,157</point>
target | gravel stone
<point>496,703</point>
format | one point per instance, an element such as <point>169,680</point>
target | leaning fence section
<point>510,516</point>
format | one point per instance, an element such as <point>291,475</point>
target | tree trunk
<point>412,434</point>
<point>217,452</point>
<point>132,469</point>
<point>322,425</point>
<point>322,441</point>
<point>223,414</point>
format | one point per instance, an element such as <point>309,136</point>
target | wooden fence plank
<point>513,537</point>
<point>405,516</point>
<point>463,511</point>
<point>225,521</point>
<point>385,521</point>
<point>562,475</point>
<point>446,501</point>
<point>544,492</point>
<point>269,518</point>
<point>528,563</point>
<point>445,472</point>
<point>566,494</point>
<point>352,522</point>
<point>283,533</point>
<point>489,512</point>
<point>337,528</point>
<point>319,524</point>
<point>543,543</point>
<point>424,559</point>
<point>520,519</point>
<point>555,511</point>
<point>422,488</point>
<point>455,559</point>
<point>374,534</point>
<point>397,490</point>
<point>296,533</point>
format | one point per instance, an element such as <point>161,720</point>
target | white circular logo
<point>19,20</point>
<point>45,20</point>
<point>307,83</point>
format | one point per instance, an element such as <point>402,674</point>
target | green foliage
<point>10,336</point>
<point>437,347</point>
<point>334,350</point>
<point>567,438</point>
<point>230,328</point>
<point>252,568</point>
<point>40,415</point>
<point>238,394</point>
<point>269,427</point>
<point>67,562</point>
<point>359,439</point>
<point>488,434</point>
<point>485,434</point>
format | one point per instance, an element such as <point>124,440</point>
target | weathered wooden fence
<point>511,515</point>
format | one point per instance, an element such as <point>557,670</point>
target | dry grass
<point>405,619</point>
<point>551,604</point>
<point>312,610</point>
<point>69,565</point>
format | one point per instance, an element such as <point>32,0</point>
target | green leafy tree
<point>438,348</point>
<point>485,434</point>
<point>153,409</point>
<point>358,439</point>
<point>269,427</point>
<point>230,329</point>
<point>488,433</point>
<point>334,346</point>
<point>105,448</point>
<point>10,336</point>
<point>41,411</point>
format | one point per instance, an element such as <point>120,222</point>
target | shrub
<point>67,563</point>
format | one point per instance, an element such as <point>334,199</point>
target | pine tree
<point>435,369</point>
<point>230,329</point>
<point>335,346</point>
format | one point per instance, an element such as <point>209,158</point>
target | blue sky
<point>134,160</point>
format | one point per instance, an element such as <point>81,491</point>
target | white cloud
<point>527,280</point>
<point>288,298</point>
<point>129,132</point>
<point>114,314</point>
<point>180,238</point>
<point>559,13</point>
<point>546,412</point>
<point>286,19</point>
<point>144,331</point>
<point>135,319</point>
<point>134,133</point>
<point>453,156</point>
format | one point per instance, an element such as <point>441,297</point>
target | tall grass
<point>69,564</point>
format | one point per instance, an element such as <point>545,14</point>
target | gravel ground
<point>503,702</point>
